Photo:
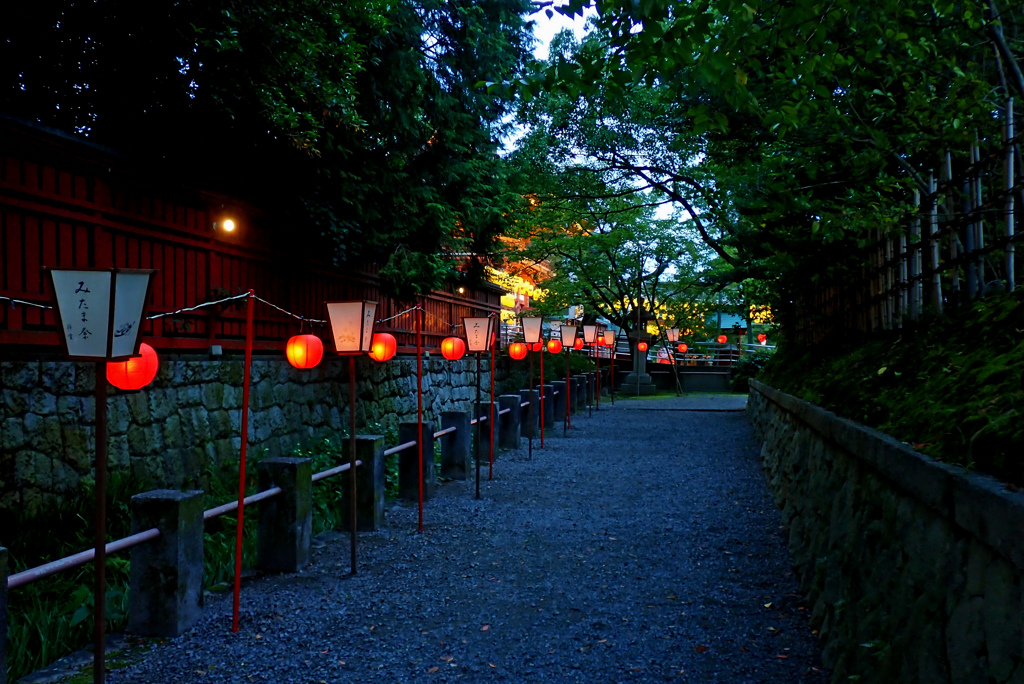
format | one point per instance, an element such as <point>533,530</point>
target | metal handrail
<point>81,558</point>
<point>233,505</point>
<point>400,447</point>
<point>447,430</point>
<point>504,411</point>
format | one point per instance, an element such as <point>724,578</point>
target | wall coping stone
<point>978,503</point>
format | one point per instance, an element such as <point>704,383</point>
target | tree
<point>359,121</point>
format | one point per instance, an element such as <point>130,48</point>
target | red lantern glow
<point>554,346</point>
<point>452,348</point>
<point>762,338</point>
<point>642,346</point>
<point>136,372</point>
<point>383,346</point>
<point>304,351</point>
<point>536,347</point>
<point>682,348</point>
<point>517,350</point>
<point>722,339</point>
<point>578,344</point>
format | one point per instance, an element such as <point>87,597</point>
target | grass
<point>952,387</point>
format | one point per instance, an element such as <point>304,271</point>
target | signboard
<point>100,311</point>
<point>478,333</point>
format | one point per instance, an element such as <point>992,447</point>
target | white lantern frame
<point>479,331</point>
<point>590,334</point>
<point>532,329</point>
<point>568,335</point>
<point>352,325</point>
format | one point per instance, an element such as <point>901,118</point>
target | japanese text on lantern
<point>84,301</point>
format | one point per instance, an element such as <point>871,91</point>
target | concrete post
<point>485,445</point>
<point>455,463</point>
<point>408,467</point>
<point>285,528</point>
<point>559,403</point>
<point>530,419</point>
<point>3,615</point>
<point>574,395</point>
<point>510,422</point>
<point>549,406</point>
<point>166,578</point>
<point>591,387</point>
<point>584,397</point>
<point>370,483</point>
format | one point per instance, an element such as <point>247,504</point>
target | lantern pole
<point>246,379</point>
<point>490,420</point>
<point>419,403</point>
<point>478,428</point>
<point>542,347</point>
<point>590,406</point>
<point>530,451</point>
<point>352,454</point>
<point>597,392</point>
<point>568,395</point>
<point>99,607</point>
<point>612,355</point>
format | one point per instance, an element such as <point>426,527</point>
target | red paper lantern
<point>383,347</point>
<point>682,348</point>
<point>136,372</point>
<point>536,347</point>
<point>304,351</point>
<point>452,348</point>
<point>642,346</point>
<point>762,338</point>
<point>578,344</point>
<point>554,346</point>
<point>517,350</point>
<point>722,339</point>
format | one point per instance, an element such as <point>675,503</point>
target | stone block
<point>547,407</point>
<point>509,424</point>
<point>285,526</point>
<point>3,615</point>
<point>409,462</point>
<point>166,578</point>
<point>455,446</point>
<point>559,401</point>
<point>370,484</point>
<point>531,413</point>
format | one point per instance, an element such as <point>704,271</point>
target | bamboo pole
<point>954,274</point>
<point>1009,207</point>
<point>979,224</point>
<point>933,240</point>
<point>915,260</point>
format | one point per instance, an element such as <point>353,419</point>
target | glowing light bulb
<point>229,225</point>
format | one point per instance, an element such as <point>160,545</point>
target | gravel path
<point>642,548</point>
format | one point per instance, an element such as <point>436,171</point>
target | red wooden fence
<point>65,203</point>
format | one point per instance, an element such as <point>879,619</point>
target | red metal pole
<point>247,376</point>
<point>542,393</point>
<point>419,403</point>
<point>566,424</point>
<point>597,394</point>
<point>490,420</point>
<point>99,607</point>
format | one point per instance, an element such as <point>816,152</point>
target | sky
<point>545,29</point>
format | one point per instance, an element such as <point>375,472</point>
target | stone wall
<point>185,427</point>
<point>913,567</point>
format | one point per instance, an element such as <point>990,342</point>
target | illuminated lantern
<point>554,346</point>
<point>722,339</point>
<point>642,346</point>
<point>682,348</point>
<point>383,346</point>
<point>304,351</point>
<point>517,350</point>
<point>536,347</point>
<point>136,372</point>
<point>762,338</point>
<point>452,348</point>
<point>578,344</point>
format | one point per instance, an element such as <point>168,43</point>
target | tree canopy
<point>361,120</point>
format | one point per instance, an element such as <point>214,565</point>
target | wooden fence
<point>958,246</point>
<point>66,203</point>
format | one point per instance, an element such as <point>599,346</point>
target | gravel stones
<point>642,548</point>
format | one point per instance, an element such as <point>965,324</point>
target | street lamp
<point>590,337</point>
<point>479,332</point>
<point>532,328</point>
<point>352,331</point>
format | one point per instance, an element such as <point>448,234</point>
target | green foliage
<point>748,367</point>
<point>953,388</point>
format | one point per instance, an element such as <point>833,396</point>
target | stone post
<point>530,417</point>
<point>591,387</point>
<point>574,395</point>
<point>285,527</point>
<point>508,437</point>
<point>166,579</point>
<point>549,406</point>
<point>559,403</point>
<point>370,483</point>
<point>3,615</point>
<point>486,449</point>
<point>408,467</point>
<point>455,459</point>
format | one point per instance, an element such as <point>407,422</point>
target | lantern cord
<point>197,306</point>
<point>22,301</point>
<point>288,313</point>
<point>415,308</point>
